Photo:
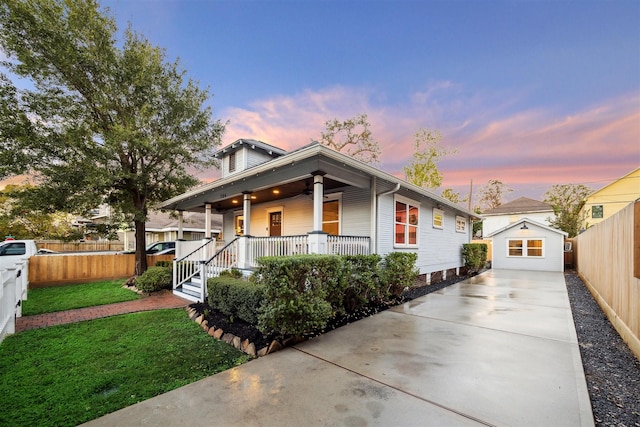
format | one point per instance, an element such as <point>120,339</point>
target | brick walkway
<point>155,302</point>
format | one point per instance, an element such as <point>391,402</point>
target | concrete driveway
<point>497,349</point>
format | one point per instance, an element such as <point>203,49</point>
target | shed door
<point>275,223</point>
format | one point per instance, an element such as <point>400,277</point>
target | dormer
<point>244,154</point>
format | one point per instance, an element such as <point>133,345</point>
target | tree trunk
<point>141,246</point>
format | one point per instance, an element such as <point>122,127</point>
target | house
<point>611,198</point>
<point>528,245</point>
<point>511,212</point>
<point>314,200</point>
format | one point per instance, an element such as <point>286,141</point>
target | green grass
<point>60,298</point>
<point>69,374</point>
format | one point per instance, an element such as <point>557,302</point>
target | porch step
<point>190,291</point>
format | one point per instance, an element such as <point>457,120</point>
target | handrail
<point>195,250</point>
<point>219,251</point>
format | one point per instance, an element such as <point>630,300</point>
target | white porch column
<point>246,211</point>
<point>318,198</point>
<point>318,238</point>
<point>207,221</point>
<point>243,252</point>
<point>180,225</point>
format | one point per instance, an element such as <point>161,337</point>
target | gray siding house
<point>314,200</point>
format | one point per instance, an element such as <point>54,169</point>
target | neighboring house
<point>317,200</point>
<point>608,200</point>
<point>161,226</point>
<point>508,213</point>
<point>528,245</point>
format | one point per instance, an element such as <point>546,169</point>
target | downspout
<point>376,204</point>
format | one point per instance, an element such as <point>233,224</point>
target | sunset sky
<point>532,93</point>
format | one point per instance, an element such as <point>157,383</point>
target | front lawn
<point>60,298</point>
<point>70,374</point>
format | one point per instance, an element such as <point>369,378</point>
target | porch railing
<point>215,255</point>
<point>275,246</point>
<point>348,245</point>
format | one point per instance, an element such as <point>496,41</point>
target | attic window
<point>232,162</point>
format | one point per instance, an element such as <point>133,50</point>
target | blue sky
<point>532,93</point>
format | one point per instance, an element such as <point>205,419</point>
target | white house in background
<point>511,212</point>
<point>528,245</point>
<point>314,200</point>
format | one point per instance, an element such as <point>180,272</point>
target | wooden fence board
<point>63,269</point>
<point>605,257</point>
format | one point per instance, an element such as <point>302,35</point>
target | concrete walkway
<point>498,349</point>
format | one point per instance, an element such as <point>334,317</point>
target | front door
<point>275,223</point>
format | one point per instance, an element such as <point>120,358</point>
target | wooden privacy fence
<point>604,256</point>
<point>89,246</point>
<point>63,269</point>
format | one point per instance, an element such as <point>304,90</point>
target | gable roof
<point>315,150</point>
<point>253,144</point>
<point>519,206</point>
<point>523,220</point>
<point>627,176</point>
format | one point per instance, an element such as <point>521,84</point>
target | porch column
<point>318,238</point>
<point>207,221</point>
<point>318,198</point>
<point>246,211</point>
<point>180,225</point>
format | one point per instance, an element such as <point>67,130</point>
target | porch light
<point>524,226</point>
<point>234,201</point>
<point>253,197</point>
<point>276,191</point>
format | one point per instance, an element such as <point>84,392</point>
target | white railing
<point>8,300</point>
<point>205,261</point>
<point>348,245</point>
<point>275,246</point>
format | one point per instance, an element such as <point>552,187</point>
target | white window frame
<point>461,224</point>
<point>525,247</point>
<point>409,203</point>
<point>438,213</point>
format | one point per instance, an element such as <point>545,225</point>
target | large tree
<point>108,122</point>
<point>352,137</point>
<point>492,194</point>
<point>423,167</point>
<point>567,201</point>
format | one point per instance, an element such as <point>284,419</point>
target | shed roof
<point>519,206</point>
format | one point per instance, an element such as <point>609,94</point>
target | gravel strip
<point>611,369</point>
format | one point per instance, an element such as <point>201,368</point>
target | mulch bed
<point>246,331</point>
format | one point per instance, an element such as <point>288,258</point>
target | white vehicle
<point>12,251</point>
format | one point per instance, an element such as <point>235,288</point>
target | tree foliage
<point>352,137</point>
<point>567,201</point>
<point>453,196</point>
<point>492,194</point>
<point>423,168</point>
<point>108,122</point>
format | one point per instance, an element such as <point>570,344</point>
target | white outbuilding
<point>528,245</point>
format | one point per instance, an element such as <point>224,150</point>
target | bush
<point>297,292</point>
<point>164,263</point>
<point>399,269</point>
<point>475,256</point>
<point>233,272</point>
<point>361,273</point>
<point>155,279</point>
<point>237,298</point>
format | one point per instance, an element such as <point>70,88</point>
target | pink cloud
<point>532,148</point>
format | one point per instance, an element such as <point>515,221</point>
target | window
<point>232,162</point>
<point>529,248</point>
<point>438,218</point>
<point>331,217</point>
<point>407,216</point>
<point>461,224</point>
<point>13,249</point>
<point>239,225</point>
<point>597,211</point>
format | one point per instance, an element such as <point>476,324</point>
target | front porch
<point>196,261</point>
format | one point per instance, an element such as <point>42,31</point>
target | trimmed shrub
<point>237,298</point>
<point>361,274</point>
<point>400,272</point>
<point>155,279</point>
<point>475,256</point>
<point>164,263</point>
<point>233,272</point>
<point>297,292</point>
